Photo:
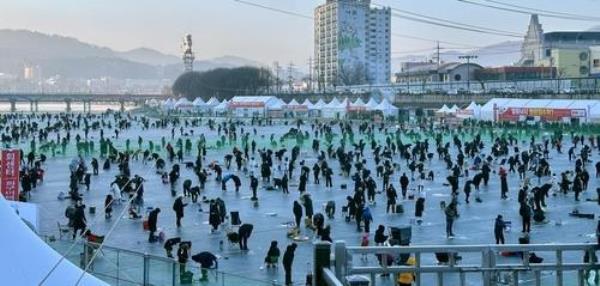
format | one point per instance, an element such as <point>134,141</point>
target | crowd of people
<point>373,160</point>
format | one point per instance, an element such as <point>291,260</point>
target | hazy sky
<point>226,27</point>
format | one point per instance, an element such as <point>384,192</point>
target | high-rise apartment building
<point>352,43</point>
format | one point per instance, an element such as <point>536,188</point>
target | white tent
<point>26,259</point>
<point>168,104</point>
<point>308,104</point>
<point>183,104</point>
<point>444,109</point>
<point>212,102</point>
<point>293,102</point>
<point>471,111</point>
<point>221,107</point>
<point>542,109</point>
<point>334,109</point>
<point>358,102</point>
<point>320,104</point>
<point>387,108</point>
<point>371,104</point>
<point>453,109</point>
<point>198,102</point>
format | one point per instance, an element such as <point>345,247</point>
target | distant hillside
<point>148,56</point>
<point>71,58</point>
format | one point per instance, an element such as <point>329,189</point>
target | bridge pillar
<point>31,106</point>
<point>87,106</point>
<point>36,106</point>
<point>122,103</point>
<point>13,105</point>
<point>68,103</point>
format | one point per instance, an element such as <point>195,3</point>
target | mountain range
<point>72,58</point>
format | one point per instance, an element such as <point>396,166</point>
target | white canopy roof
<point>320,104</point>
<point>26,259</point>
<point>387,108</point>
<point>308,103</point>
<point>168,104</point>
<point>591,107</point>
<point>333,104</point>
<point>198,102</point>
<point>371,104</point>
<point>454,109</point>
<point>222,106</point>
<point>213,101</point>
<point>358,102</point>
<point>472,106</point>
<point>444,109</point>
<point>293,102</point>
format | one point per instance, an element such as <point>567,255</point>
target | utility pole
<point>276,68</point>
<point>291,77</point>
<point>468,58</point>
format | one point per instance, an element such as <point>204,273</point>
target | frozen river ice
<point>475,225</point>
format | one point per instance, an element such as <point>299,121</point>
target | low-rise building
<point>430,72</point>
<point>509,73</point>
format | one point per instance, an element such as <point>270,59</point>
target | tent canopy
<point>387,108</point>
<point>26,259</point>
<point>444,109</point>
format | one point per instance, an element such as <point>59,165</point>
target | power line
<point>518,11</point>
<point>273,9</point>
<point>456,27</point>
<point>295,14</point>
<point>448,21</point>
<point>542,10</point>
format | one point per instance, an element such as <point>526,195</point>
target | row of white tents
<point>473,110</point>
<point>270,103</point>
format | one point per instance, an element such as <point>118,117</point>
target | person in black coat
<point>152,220</point>
<point>272,255</point>
<point>207,261</point>
<point>380,236</point>
<point>79,220</point>
<point>244,232</point>
<point>178,206</point>
<point>182,256</point>
<point>213,217</point>
<point>308,206</point>
<point>499,227</point>
<point>108,202</point>
<point>284,184</point>
<point>254,187</point>
<point>297,213</point>
<point>288,260</point>
<point>525,212</point>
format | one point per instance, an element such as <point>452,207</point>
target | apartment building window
<point>597,63</point>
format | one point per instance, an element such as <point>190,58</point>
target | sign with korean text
<point>9,179</point>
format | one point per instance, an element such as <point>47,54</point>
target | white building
<point>352,43</point>
<point>538,45</point>
<point>595,61</point>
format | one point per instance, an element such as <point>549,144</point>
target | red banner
<point>9,186</point>
<point>545,114</point>
<point>255,104</point>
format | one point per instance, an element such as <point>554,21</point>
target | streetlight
<point>468,58</point>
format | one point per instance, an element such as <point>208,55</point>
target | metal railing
<point>563,264</point>
<point>117,266</point>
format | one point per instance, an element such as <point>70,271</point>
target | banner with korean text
<point>9,184</point>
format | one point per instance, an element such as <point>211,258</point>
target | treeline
<point>223,83</point>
